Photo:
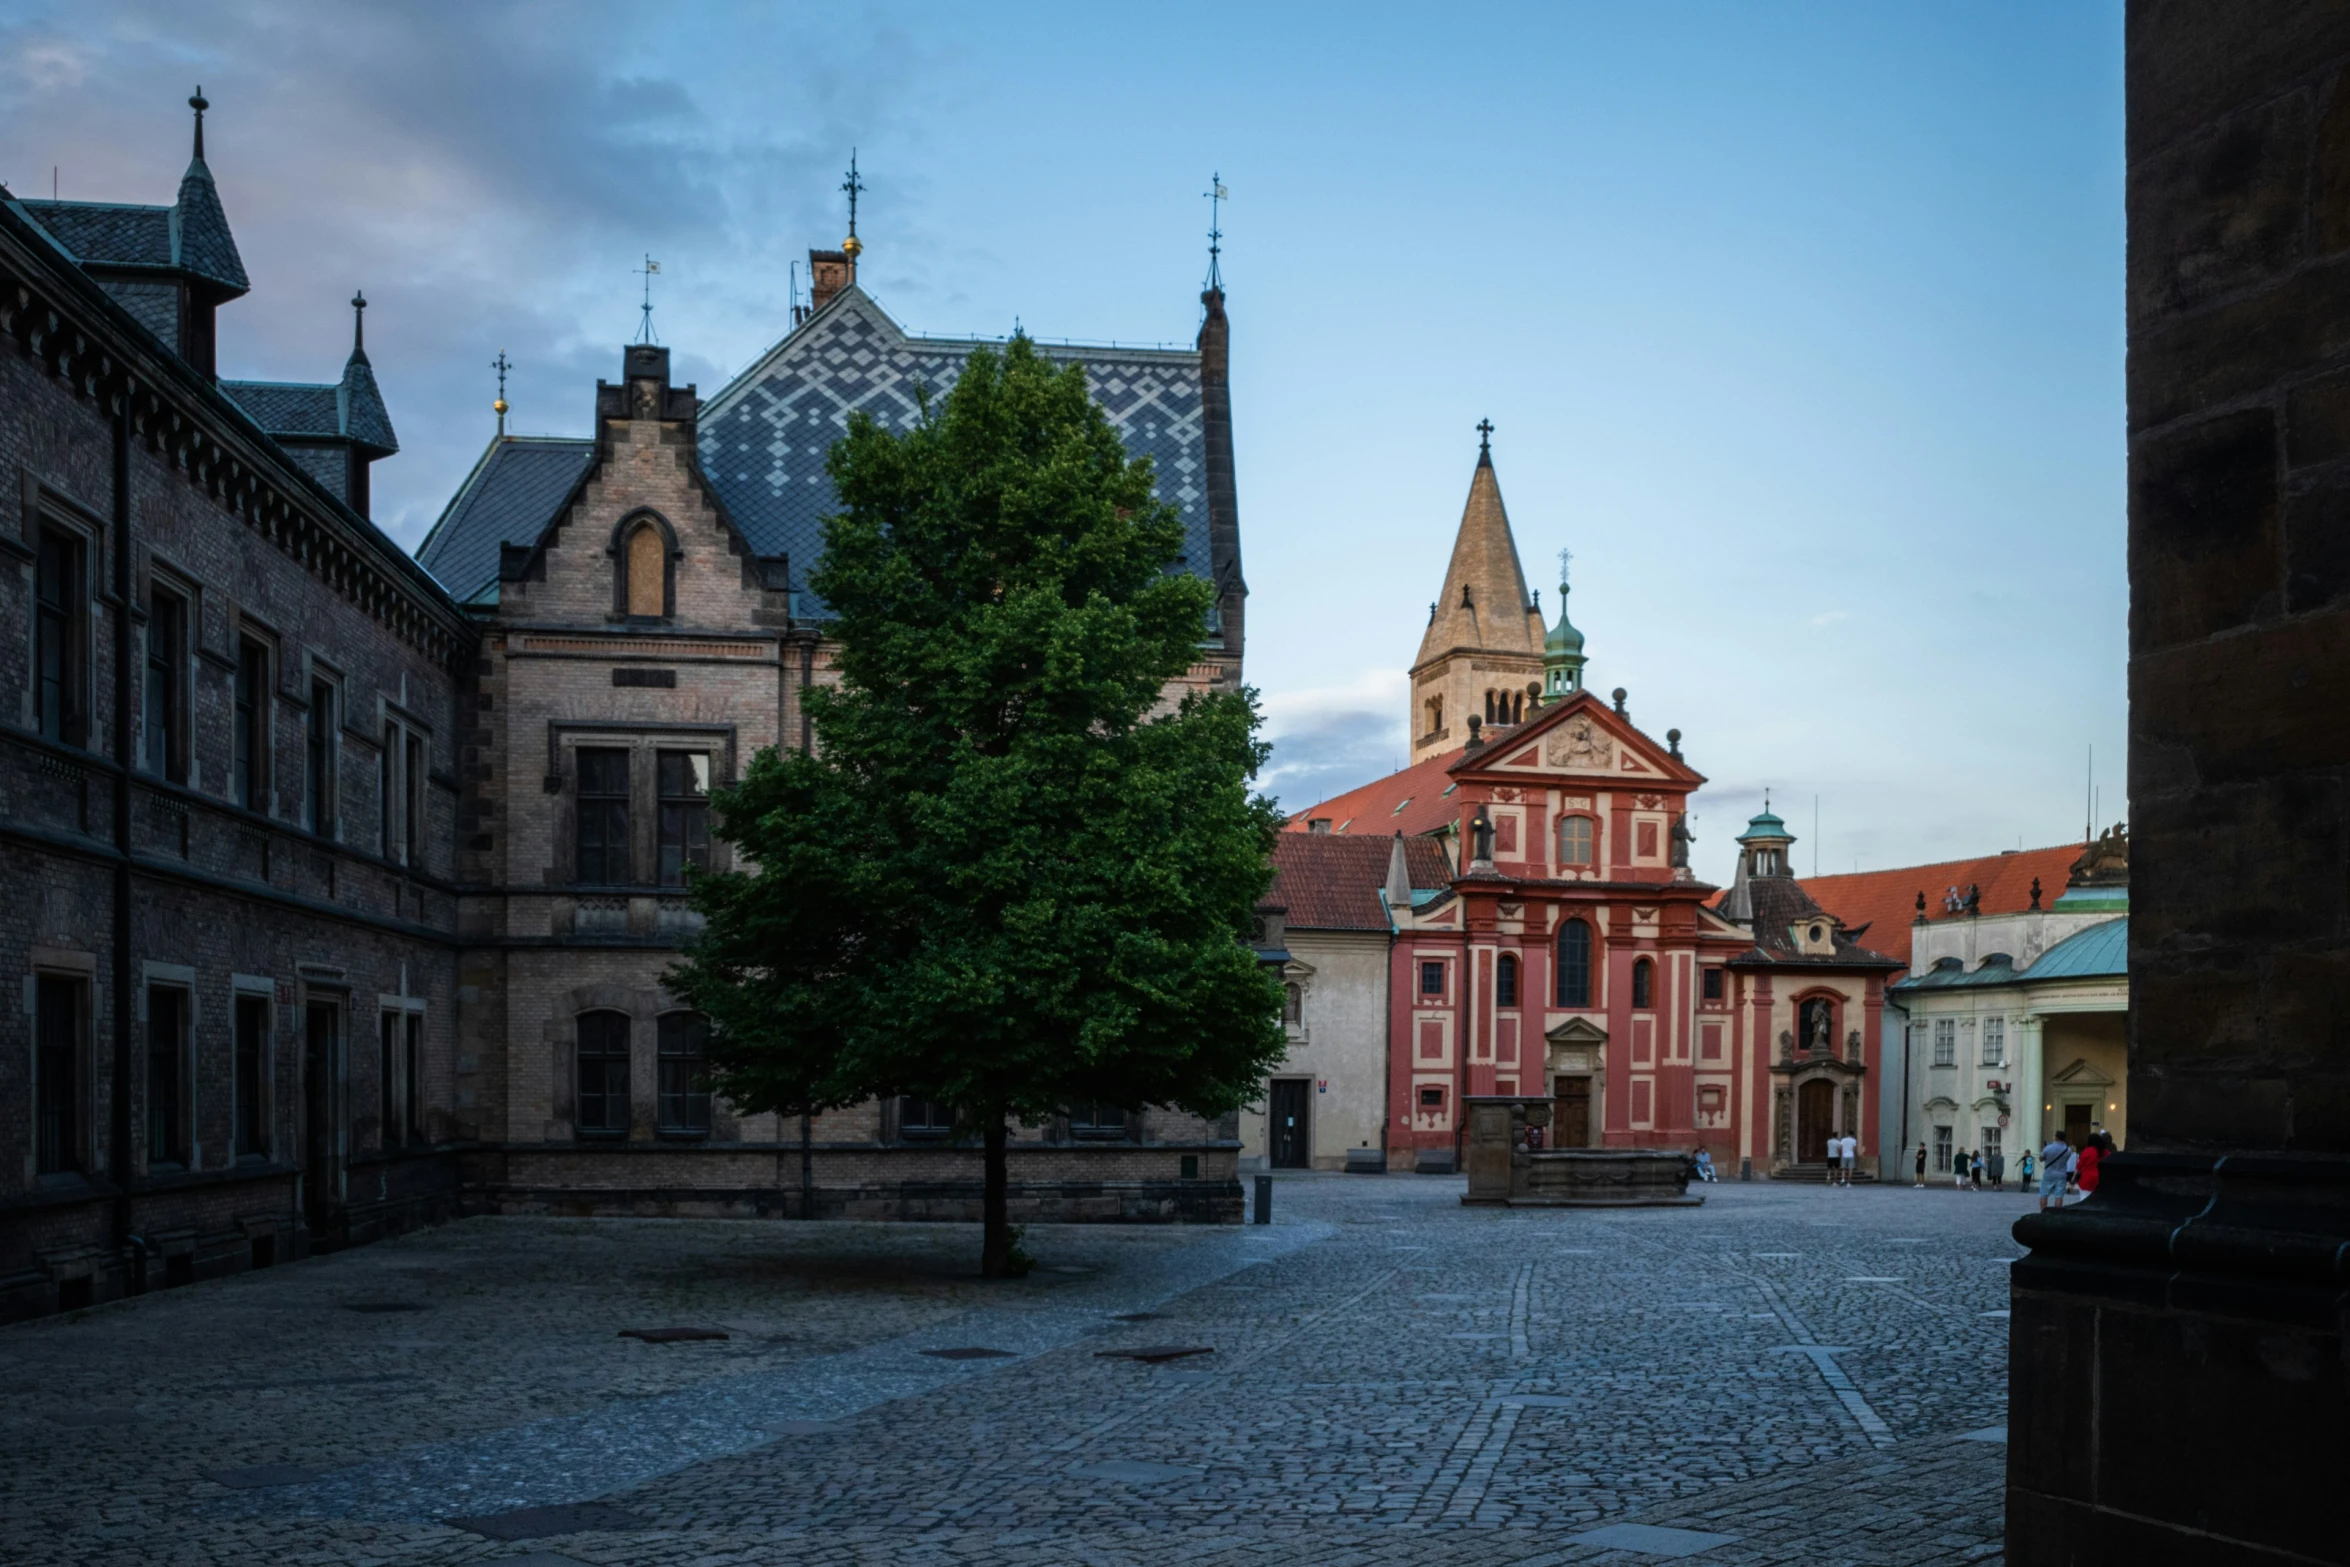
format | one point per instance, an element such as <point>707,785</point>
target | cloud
<point>1829,617</point>
<point>1328,740</point>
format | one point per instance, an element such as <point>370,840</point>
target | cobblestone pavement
<point>1789,1374</point>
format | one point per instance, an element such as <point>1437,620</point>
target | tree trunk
<point>995,1250</point>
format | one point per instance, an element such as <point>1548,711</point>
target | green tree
<point>1008,877</point>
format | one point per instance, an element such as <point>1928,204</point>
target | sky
<point>1799,325</point>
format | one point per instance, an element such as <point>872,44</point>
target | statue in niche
<point>1682,839</point>
<point>1580,744</point>
<point>1786,1045</point>
<point>1852,1044</point>
<point>1820,1038</point>
<point>1481,837</point>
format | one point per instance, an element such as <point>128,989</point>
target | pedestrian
<point>1975,1170</point>
<point>1958,1170</point>
<point>1844,1155</point>
<point>2024,1172</point>
<point>1921,1180</point>
<point>2053,1160</point>
<point>2092,1154</point>
<point>1705,1165</point>
<point>1996,1167</point>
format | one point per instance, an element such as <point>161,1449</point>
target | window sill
<point>597,1134</point>
<point>683,1134</point>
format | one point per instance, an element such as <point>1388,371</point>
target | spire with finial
<point>853,185</point>
<point>1485,443</point>
<point>359,324</point>
<point>1562,650</point>
<point>500,365</point>
<point>1216,196</point>
<point>649,271</point>
<point>199,103</point>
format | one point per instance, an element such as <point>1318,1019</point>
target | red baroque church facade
<point>1572,954</point>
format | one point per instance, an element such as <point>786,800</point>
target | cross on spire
<point>199,103</point>
<point>358,322</point>
<point>650,270</point>
<point>1564,557</point>
<point>1216,196</point>
<point>853,185</point>
<point>1484,438</point>
<point>500,365</point>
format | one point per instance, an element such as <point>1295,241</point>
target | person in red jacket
<point>2092,1154</point>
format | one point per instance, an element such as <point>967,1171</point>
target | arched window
<point>1505,981</point>
<point>603,1073</point>
<point>647,565</point>
<point>1435,707</point>
<point>684,1104</point>
<point>1574,840</point>
<point>1574,964</point>
<point>1643,985</point>
<point>1293,1004</point>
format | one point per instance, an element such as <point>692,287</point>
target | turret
<point>1562,650</point>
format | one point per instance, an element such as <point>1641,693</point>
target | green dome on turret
<point>1562,650</point>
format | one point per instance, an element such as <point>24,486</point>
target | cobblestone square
<point>1788,1373</point>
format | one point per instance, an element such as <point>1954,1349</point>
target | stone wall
<point>2177,1373</point>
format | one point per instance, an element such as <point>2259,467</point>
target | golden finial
<point>851,246</point>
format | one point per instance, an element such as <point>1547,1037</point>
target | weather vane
<point>500,365</point>
<point>1217,195</point>
<point>650,270</point>
<point>853,184</point>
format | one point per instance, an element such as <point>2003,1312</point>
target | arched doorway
<point>1815,1119</point>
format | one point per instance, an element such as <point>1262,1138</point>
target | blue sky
<point>1800,325</point>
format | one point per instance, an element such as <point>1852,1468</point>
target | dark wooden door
<point>2076,1124</point>
<point>1291,1141</point>
<point>322,1142</point>
<point>1570,1113</point>
<point>1815,1119</point>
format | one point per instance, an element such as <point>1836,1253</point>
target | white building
<point>2015,1025</point>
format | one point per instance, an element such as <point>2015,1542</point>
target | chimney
<point>829,271</point>
<point>1399,879</point>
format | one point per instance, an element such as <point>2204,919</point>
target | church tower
<point>1482,657</point>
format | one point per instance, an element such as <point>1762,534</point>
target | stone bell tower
<point>1482,656</point>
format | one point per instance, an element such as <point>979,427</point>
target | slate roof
<point>765,435</point>
<point>1781,902</point>
<point>1416,800</point>
<point>190,236</point>
<point>351,409</point>
<point>1333,883</point>
<point>1886,901</point>
<point>513,492</point>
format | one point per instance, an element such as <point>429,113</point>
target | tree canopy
<point>1010,875</point>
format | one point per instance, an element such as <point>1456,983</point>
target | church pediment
<point>1580,737</point>
<point>1577,1031</point>
<point>2082,1075</point>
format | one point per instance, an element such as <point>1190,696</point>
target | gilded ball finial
<point>852,246</point>
<point>499,406</point>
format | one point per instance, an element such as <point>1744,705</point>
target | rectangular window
<point>390,1080</point>
<point>249,755</point>
<point>1575,840</point>
<point>57,1074</point>
<point>318,760</point>
<point>1432,979</point>
<point>1431,1098</point>
<point>1095,1119</point>
<point>925,1120</point>
<point>387,791</point>
<point>603,1074</point>
<point>1941,1150</point>
<point>1505,981</point>
<point>167,1115</point>
<point>685,1084</point>
<point>685,814</point>
<point>251,1099</point>
<point>1713,984</point>
<point>1945,1042</point>
<point>164,712</point>
<point>1994,1041</point>
<point>1990,1142</point>
<point>603,817</point>
<point>58,610</point>
<point>412,812</point>
<point>412,1070</point>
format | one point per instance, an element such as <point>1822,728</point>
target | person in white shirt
<point>1850,1146</point>
<point>2055,1160</point>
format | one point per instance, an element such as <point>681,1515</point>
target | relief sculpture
<point>1580,744</point>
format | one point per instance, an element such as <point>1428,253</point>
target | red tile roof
<point>1328,882</point>
<point>1411,802</point>
<point>1886,901</point>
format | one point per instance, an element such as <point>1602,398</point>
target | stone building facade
<point>227,784</point>
<point>347,882</point>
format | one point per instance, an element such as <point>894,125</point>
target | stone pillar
<point>2177,1373</point>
